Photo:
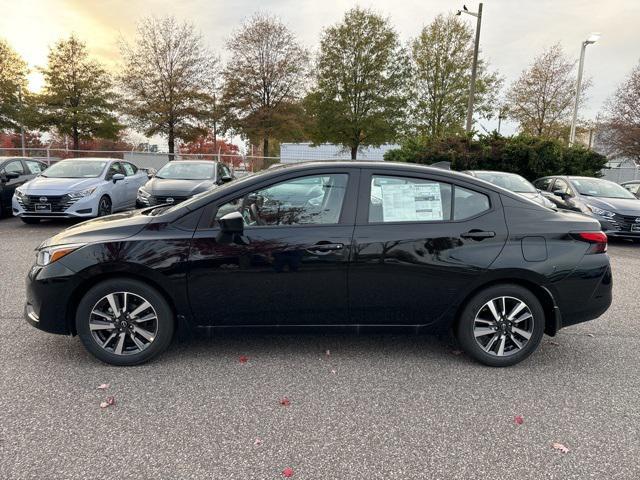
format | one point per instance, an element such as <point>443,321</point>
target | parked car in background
<point>180,180</point>
<point>15,171</point>
<point>514,183</point>
<point>633,186</point>
<point>326,244</point>
<point>79,188</point>
<point>617,209</point>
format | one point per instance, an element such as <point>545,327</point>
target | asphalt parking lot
<point>375,407</point>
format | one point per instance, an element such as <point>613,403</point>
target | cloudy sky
<point>513,31</point>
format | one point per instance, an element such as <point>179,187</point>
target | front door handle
<point>325,248</point>
<point>478,234</point>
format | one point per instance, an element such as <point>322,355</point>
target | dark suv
<point>14,171</point>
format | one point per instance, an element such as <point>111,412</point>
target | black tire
<point>165,321</point>
<point>105,207</point>
<point>464,330</point>
<point>30,220</point>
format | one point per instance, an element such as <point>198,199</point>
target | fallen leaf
<point>456,352</point>
<point>244,359</point>
<point>334,372</point>
<point>287,472</point>
<point>518,419</point>
<point>590,335</point>
<point>111,400</point>
<point>285,402</point>
<point>257,442</point>
<point>560,447</point>
<point>104,405</point>
<point>104,386</point>
<point>551,342</point>
<point>328,353</point>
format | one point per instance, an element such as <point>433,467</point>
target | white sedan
<point>79,188</point>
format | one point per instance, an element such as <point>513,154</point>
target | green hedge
<point>531,157</point>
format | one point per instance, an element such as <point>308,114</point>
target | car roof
<point>494,171</point>
<point>193,162</point>
<point>94,159</point>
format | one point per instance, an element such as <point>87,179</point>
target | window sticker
<point>411,202</point>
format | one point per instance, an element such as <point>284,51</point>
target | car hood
<point>103,229</point>
<point>179,188</point>
<point>58,186</point>
<point>622,206</point>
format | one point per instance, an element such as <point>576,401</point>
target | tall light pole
<point>593,38</point>
<point>474,67</point>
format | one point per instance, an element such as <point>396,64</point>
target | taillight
<point>598,240</point>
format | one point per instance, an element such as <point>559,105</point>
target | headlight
<point>48,255</point>
<point>600,212</point>
<point>143,193</point>
<point>19,193</point>
<point>82,193</point>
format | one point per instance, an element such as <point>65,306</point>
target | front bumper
<point>620,227</point>
<point>85,207</point>
<point>49,291</point>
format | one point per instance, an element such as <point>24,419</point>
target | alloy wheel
<point>503,326</point>
<point>123,323</point>
<point>104,207</point>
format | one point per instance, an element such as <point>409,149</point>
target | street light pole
<point>593,38</point>
<point>474,66</point>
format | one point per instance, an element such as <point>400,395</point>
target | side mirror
<point>225,178</point>
<point>117,177</point>
<point>232,223</point>
<point>561,193</point>
<point>9,176</point>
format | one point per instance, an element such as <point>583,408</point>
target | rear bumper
<point>587,292</point>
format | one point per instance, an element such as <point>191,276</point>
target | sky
<point>513,32</point>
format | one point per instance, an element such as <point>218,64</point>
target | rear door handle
<point>325,248</point>
<point>478,234</point>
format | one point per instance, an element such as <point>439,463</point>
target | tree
<point>622,118</point>
<point>78,98</point>
<point>441,60</point>
<point>531,157</point>
<point>13,78</point>
<point>541,100</point>
<point>207,145</point>
<point>264,80</point>
<point>168,80</point>
<point>359,97</point>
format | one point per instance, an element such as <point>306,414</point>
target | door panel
<point>289,266</point>
<point>411,272</point>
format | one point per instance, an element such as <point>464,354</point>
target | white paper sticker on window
<point>411,202</point>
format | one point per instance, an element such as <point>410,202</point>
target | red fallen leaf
<point>285,402</point>
<point>551,342</point>
<point>560,447</point>
<point>244,359</point>
<point>257,442</point>
<point>287,472</point>
<point>518,419</point>
<point>104,386</point>
<point>104,404</point>
<point>111,400</point>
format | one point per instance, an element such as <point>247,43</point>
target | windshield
<point>510,181</point>
<point>178,170</point>
<point>594,187</point>
<point>75,169</point>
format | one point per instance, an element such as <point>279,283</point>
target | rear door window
<point>543,183</point>
<point>129,169</point>
<point>35,168</point>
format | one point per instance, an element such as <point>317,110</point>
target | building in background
<point>304,152</point>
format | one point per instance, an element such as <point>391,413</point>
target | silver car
<point>79,188</point>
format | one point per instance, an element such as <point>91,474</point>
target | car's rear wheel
<point>30,220</point>
<point>501,325</point>
<point>124,322</point>
<point>104,206</point>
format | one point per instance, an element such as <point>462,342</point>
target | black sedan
<point>15,171</point>
<point>617,209</point>
<point>326,244</point>
<point>180,180</point>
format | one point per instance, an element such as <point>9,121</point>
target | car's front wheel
<point>104,206</point>
<point>124,322</point>
<point>501,325</point>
